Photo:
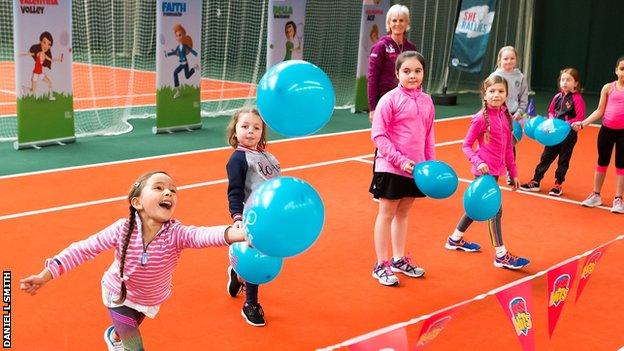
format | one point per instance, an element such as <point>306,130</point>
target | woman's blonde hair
<point>397,9</point>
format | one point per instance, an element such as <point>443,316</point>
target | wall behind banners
<point>583,34</point>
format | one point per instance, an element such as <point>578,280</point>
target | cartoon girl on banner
<point>184,48</point>
<point>290,29</point>
<point>42,54</point>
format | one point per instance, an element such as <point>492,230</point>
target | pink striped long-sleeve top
<point>147,284</point>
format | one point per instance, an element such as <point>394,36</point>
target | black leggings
<point>607,138</point>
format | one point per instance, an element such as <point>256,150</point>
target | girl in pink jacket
<point>403,133</point>
<point>492,129</point>
<point>147,247</point>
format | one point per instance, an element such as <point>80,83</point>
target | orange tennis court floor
<point>97,87</point>
<point>325,295</point>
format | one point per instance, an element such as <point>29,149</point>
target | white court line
<point>10,92</point>
<point>128,97</point>
<point>183,187</point>
<point>553,198</point>
<point>201,151</point>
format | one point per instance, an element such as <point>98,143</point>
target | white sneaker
<point>618,205</point>
<point>113,345</point>
<point>177,94</point>
<point>384,274</point>
<point>592,200</point>
<point>51,97</point>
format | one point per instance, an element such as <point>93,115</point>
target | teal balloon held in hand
<point>482,198</point>
<point>531,125</point>
<point>552,131</point>
<point>295,98</point>
<point>283,216</point>
<point>517,131</point>
<point>435,179</point>
<point>252,265</point>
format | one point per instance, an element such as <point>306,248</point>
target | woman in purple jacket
<point>381,71</point>
<point>403,133</point>
<point>491,128</point>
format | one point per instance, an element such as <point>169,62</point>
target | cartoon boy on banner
<point>185,47</point>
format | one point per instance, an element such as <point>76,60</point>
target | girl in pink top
<point>492,129</point>
<point>147,247</point>
<point>611,109</point>
<point>403,133</point>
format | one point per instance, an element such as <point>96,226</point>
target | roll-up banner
<point>43,72</point>
<point>285,31</point>
<point>178,70</point>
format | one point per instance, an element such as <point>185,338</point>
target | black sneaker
<point>556,190</point>
<point>234,286</point>
<point>254,315</point>
<point>531,186</point>
<point>509,180</point>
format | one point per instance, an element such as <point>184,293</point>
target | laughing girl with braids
<point>491,128</point>
<point>147,246</point>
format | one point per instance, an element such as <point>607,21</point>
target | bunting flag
<point>395,340</point>
<point>560,282</point>
<point>588,268</point>
<point>433,326</point>
<point>517,302</point>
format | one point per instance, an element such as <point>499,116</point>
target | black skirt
<point>393,186</point>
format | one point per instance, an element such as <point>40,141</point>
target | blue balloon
<point>295,98</point>
<point>517,131</point>
<point>252,265</point>
<point>552,131</point>
<point>531,125</point>
<point>283,216</point>
<point>435,179</point>
<point>482,198</point>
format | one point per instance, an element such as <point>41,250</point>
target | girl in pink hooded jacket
<point>492,129</point>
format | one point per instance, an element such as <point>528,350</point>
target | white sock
<point>457,235</point>
<point>501,251</point>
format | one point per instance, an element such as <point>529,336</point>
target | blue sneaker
<point>461,244</point>
<point>511,262</point>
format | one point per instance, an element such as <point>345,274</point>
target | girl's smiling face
<point>507,61</point>
<point>158,199</point>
